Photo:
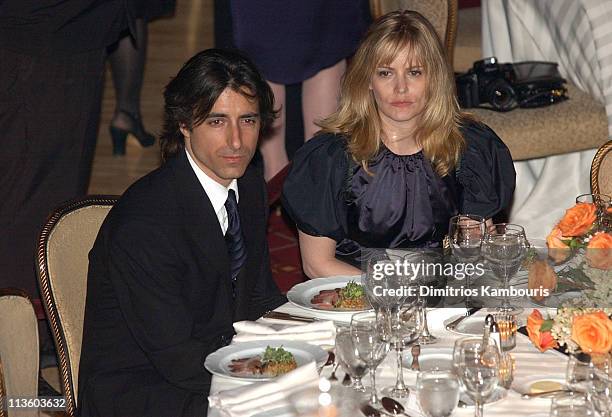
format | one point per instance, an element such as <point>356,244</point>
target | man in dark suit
<point>183,254</point>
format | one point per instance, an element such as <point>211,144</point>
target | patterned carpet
<point>284,251</point>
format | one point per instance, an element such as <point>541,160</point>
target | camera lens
<point>501,95</point>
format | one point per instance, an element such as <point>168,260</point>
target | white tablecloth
<point>530,363</point>
<point>577,34</point>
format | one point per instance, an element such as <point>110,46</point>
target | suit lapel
<point>200,218</point>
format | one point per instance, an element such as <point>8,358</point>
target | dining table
<point>530,365</point>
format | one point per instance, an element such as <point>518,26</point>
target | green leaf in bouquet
<point>546,325</point>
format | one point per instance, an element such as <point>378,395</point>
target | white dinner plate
<point>218,362</point>
<point>470,326</point>
<point>431,358</point>
<point>498,394</point>
<point>301,294</point>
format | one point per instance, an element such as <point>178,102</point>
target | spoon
<point>393,406</point>
<point>369,411</point>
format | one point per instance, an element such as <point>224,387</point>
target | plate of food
<point>334,294</point>
<point>262,360</point>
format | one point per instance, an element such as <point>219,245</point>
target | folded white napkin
<point>264,396</point>
<point>317,333</point>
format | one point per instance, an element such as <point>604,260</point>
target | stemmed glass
<point>478,370</point>
<point>438,392</point>
<point>601,387</point>
<point>370,344</point>
<point>406,326</point>
<point>466,233</point>
<point>349,359</point>
<point>603,204</point>
<point>504,247</point>
<point>416,257</point>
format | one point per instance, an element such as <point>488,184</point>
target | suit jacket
<point>159,294</point>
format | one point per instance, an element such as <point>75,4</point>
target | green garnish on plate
<point>352,291</point>
<point>278,355</point>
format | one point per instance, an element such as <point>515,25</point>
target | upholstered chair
<point>62,264</point>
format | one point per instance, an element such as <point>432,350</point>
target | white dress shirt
<point>217,193</point>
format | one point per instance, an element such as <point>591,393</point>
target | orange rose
<point>541,277</point>
<point>593,332</point>
<point>578,219</point>
<point>599,251</point>
<point>543,340</point>
<point>558,251</point>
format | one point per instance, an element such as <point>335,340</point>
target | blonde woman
<point>397,159</point>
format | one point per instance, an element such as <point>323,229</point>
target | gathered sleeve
<point>486,172</point>
<point>314,190</point>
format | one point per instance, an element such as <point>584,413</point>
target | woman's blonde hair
<point>357,115</point>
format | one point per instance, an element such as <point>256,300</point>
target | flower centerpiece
<point>580,248</point>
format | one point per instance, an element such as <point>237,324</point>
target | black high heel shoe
<point>119,135</point>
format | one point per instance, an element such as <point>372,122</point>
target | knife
<point>453,324</point>
<point>278,315</point>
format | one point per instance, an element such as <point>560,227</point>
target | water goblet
<point>370,344</point>
<point>405,330</point>
<point>437,392</point>
<point>478,371</point>
<point>504,248</point>
<point>603,206</point>
<point>600,389</point>
<point>579,372</point>
<point>466,232</point>
<point>349,359</point>
<point>572,404</point>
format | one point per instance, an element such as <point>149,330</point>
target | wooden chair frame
<point>599,157</point>
<point>47,294</point>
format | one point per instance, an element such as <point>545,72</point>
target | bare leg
<point>320,96</point>
<point>272,147</point>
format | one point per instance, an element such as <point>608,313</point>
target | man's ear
<point>186,132</point>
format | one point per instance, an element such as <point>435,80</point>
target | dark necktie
<point>236,248</point>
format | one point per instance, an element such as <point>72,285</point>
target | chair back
<point>441,13</point>
<point>62,265</point>
<point>18,351</point>
<point>601,170</point>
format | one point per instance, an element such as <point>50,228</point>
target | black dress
<point>292,40</point>
<point>404,204</point>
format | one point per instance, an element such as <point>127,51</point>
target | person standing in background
<point>127,58</point>
<point>52,56</point>
<point>296,41</point>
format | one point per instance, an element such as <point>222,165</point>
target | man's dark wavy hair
<point>190,96</point>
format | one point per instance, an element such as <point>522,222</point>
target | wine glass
<point>603,204</point>
<point>504,247</point>
<point>466,232</point>
<point>372,348</point>
<point>424,258</point>
<point>601,388</point>
<point>478,370</point>
<point>405,329</point>
<point>349,359</point>
<point>579,372</point>
<point>572,404</point>
<point>437,392</point>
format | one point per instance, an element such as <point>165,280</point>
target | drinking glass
<point>579,372</point>
<point>603,203</point>
<point>572,404</point>
<point>437,392</point>
<point>601,387</point>
<point>508,324</point>
<point>372,348</point>
<point>349,359</point>
<point>405,329</point>
<point>504,248</point>
<point>466,232</point>
<point>478,371</point>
